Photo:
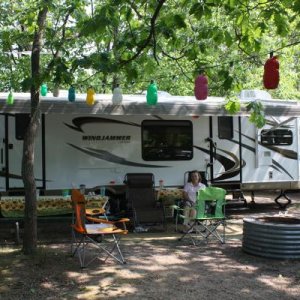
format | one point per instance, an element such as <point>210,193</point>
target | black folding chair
<point>141,199</point>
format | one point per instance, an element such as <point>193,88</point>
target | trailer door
<point>16,129</point>
<point>2,153</point>
<point>225,149</point>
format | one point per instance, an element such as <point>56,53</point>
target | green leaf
<point>228,39</point>
<point>197,10</point>
<point>257,115</point>
<point>131,73</point>
<point>26,84</point>
<point>228,83</point>
<point>281,24</point>
<point>232,106</point>
<point>296,6</point>
<point>232,3</point>
<point>179,21</point>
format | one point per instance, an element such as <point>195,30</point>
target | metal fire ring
<point>272,237</point>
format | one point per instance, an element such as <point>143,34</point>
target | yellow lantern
<point>90,96</point>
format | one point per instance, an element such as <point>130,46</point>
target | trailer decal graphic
<point>284,152</point>
<point>13,176</point>
<point>275,165</point>
<point>231,167</point>
<point>80,121</point>
<point>278,166</point>
<point>107,156</point>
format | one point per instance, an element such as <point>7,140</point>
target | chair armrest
<point>94,211</point>
<point>123,220</point>
<point>176,207</point>
<point>97,220</point>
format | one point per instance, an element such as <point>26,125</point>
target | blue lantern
<point>71,94</point>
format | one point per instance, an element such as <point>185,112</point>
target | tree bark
<point>30,213</point>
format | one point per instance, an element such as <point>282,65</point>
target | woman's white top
<point>192,190</point>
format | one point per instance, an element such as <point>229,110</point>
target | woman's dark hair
<point>190,175</point>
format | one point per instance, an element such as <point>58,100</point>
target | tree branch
<point>150,36</point>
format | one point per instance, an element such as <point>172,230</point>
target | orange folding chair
<point>101,234</point>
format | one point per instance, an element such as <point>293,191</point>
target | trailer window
<point>276,137</point>
<point>167,140</point>
<point>225,127</point>
<point>21,123</point>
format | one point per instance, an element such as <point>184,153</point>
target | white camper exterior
<point>98,145</point>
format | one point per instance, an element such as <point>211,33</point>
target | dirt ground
<point>158,267</point>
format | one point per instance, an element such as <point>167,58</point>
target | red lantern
<point>201,87</point>
<point>271,73</point>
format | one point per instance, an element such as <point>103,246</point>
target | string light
<point>201,87</point>
<point>271,72</point>
<point>71,94</point>
<point>55,91</point>
<point>151,93</point>
<point>10,98</point>
<point>117,95</point>
<point>90,97</point>
<point>44,89</point>
<point>231,64</point>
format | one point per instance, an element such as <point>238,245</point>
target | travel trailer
<point>97,145</point>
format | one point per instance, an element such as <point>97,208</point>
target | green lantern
<point>44,89</point>
<point>10,99</point>
<point>152,93</point>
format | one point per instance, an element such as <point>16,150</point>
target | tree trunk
<point>30,213</point>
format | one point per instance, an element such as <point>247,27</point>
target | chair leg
<point>212,230</point>
<point>79,246</point>
<point>116,246</point>
<point>205,229</point>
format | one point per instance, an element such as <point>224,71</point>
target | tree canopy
<point>101,43</point>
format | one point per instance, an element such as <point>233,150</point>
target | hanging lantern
<point>152,93</point>
<point>90,97</point>
<point>201,87</point>
<point>44,89</point>
<point>117,95</point>
<point>56,91</point>
<point>71,94</point>
<point>10,99</point>
<point>271,73</point>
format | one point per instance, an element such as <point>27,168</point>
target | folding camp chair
<point>87,230</point>
<point>186,213</point>
<point>141,199</point>
<point>97,208</point>
<point>210,214</point>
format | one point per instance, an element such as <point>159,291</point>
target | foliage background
<point>101,43</point>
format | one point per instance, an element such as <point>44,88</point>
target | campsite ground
<point>158,267</point>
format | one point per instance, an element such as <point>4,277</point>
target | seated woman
<point>190,194</point>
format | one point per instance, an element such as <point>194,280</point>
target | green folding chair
<point>210,215</point>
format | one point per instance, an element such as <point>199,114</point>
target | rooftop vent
<point>254,95</point>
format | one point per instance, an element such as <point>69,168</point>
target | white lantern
<point>117,95</point>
